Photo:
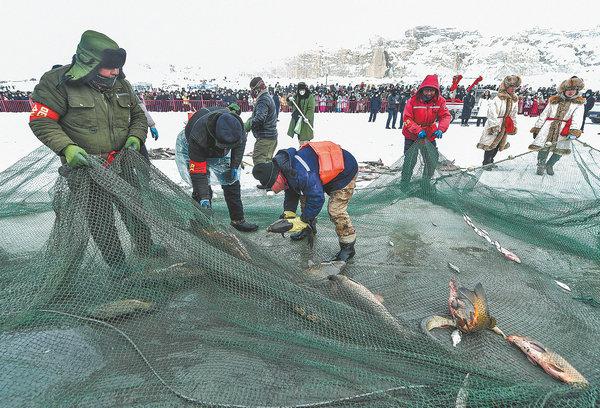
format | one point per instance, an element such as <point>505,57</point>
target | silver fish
<point>362,298</point>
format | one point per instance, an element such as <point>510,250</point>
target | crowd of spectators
<point>329,98</point>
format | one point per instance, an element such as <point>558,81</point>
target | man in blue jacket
<point>306,175</point>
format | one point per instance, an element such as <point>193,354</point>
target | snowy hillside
<point>540,56</point>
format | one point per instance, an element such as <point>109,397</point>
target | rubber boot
<point>551,162</point>
<point>244,226</point>
<point>540,169</point>
<point>346,252</point>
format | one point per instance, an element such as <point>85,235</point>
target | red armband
<point>197,167</point>
<point>40,111</point>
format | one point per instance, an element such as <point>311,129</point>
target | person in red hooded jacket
<point>426,118</point>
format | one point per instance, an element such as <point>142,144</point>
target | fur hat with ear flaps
<point>572,84</point>
<point>509,82</point>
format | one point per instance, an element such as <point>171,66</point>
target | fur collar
<point>506,95</point>
<point>554,99</point>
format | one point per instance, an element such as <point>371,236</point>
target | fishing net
<point>117,290</point>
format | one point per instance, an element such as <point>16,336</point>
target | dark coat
<point>264,117</point>
<point>393,103</point>
<point>307,182</point>
<point>589,103</point>
<point>375,103</point>
<point>202,146</point>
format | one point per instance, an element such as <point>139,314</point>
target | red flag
<point>455,80</point>
<point>477,80</point>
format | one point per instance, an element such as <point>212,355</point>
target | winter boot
<point>261,187</point>
<point>346,252</point>
<point>551,162</point>
<point>540,169</point>
<point>244,226</point>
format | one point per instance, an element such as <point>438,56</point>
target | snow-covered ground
<point>367,141</point>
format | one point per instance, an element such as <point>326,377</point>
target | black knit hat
<point>228,131</point>
<point>266,173</point>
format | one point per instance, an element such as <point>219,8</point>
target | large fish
<point>553,364</point>
<point>469,312</point>
<point>469,308</point>
<point>283,225</point>
<point>362,298</point>
<point>121,308</point>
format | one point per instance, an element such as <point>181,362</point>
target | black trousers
<point>585,115</point>
<point>488,156</point>
<point>480,119</point>
<point>430,157</point>
<point>233,198</point>
<point>373,116</point>
<point>464,118</point>
<point>401,119</point>
<point>99,213</point>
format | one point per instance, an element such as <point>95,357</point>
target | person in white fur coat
<point>501,121</point>
<point>558,125</point>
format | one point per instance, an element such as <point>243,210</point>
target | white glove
<point>291,98</point>
<point>306,120</point>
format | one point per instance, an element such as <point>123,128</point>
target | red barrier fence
<point>178,105</point>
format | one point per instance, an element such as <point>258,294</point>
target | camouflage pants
<point>263,150</point>
<point>338,212</point>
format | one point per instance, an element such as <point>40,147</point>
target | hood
<point>283,160</point>
<point>91,50</point>
<point>430,81</point>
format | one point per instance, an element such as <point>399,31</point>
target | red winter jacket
<point>423,115</point>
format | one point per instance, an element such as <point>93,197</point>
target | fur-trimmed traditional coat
<point>494,134</point>
<point>549,130</point>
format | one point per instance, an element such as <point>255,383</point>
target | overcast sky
<point>233,35</point>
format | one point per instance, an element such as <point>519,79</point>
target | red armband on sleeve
<point>197,167</point>
<point>40,111</point>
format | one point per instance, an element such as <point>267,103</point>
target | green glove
<point>298,224</point>
<point>133,143</point>
<point>248,125</point>
<point>76,156</point>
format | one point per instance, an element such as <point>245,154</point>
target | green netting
<point>191,312</point>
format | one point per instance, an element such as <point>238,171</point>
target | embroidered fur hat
<point>572,84</point>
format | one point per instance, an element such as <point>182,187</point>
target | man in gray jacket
<point>263,123</point>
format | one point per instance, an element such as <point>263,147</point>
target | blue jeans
<point>391,115</point>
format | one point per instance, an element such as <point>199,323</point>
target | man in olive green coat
<point>88,108</point>
<point>305,100</point>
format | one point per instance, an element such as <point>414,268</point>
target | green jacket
<point>97,122</point>
<point>307,106</point>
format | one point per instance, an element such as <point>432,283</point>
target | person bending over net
<point>216,141</point>
<point>306,175</point>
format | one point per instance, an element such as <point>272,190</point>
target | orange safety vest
<point>331,159</point>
